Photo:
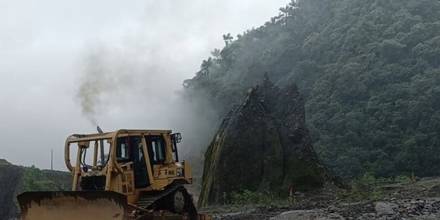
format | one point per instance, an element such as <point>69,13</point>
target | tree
<point>227,38</point>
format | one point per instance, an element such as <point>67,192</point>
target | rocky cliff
<point>263,145</point>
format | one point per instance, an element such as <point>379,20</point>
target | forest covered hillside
<point>369,71</point>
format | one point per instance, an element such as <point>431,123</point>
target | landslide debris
<point>263,145</point>
<point>411,200</point>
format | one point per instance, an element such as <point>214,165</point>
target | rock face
<point>10,179</point>
<point>264,146</point>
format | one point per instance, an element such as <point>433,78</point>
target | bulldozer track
<point>148,202</point>
<point>162,201</point>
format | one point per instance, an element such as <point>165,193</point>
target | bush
<point>369,187</point>
<point>365,188</point>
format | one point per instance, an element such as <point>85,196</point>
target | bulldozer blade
<point>73,206</point>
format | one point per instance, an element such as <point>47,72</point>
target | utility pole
<point>51,159</point>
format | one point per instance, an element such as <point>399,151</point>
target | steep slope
<point>369,71</point>
<point>262,146</point>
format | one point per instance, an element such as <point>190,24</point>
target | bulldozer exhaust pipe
<point>101,143</point>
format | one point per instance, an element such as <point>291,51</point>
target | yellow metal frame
<point>116,174</point>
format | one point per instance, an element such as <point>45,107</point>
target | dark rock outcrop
<point>10,179</point>
<point>264,146</point>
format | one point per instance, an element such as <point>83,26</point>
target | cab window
<point>123,149</point>
<point>156,149</point>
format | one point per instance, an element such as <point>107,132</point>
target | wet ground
<point>412,200</point>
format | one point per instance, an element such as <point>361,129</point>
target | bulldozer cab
<point>130,150</point>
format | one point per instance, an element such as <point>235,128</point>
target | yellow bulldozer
<point>120,175</point>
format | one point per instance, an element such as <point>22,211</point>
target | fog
<point>66,66</point>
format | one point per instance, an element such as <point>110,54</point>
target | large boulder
<point>263,145</point>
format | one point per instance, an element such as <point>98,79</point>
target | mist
<point>67,66</point>
<point>137,89</point>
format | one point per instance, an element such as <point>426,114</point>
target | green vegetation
<point>368,69</point>
<point>364,188</point>
<point>35,179</point>
<point>369,187</point>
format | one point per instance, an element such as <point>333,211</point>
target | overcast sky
<point>149,46</point>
